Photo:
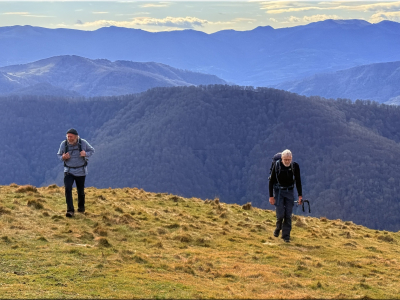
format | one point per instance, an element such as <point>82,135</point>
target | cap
<point>73,131</point>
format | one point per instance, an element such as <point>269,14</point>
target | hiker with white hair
<point>285,175</point>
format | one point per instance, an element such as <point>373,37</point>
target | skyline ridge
<point>206,16</point>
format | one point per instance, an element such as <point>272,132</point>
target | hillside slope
<point>135,244</point>
<point>81,76</point>
<point>219,141</point>
<point>377,82</point>
<point>216,141</point>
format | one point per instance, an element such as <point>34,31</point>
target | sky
<point>206,16</point>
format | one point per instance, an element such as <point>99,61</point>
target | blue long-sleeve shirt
<point>76,162</point>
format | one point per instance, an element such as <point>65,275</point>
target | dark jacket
<point>285,178</point>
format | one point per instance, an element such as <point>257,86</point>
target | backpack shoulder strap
<point>294,176</point>
<point>66,146</point>
<point>80,150</point>
<point>80,145</point>
<point>65,150</point>
<point>277,169</point>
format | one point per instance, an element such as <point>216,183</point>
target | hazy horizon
<point>205,16</point>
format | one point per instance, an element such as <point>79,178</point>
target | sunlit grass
<point>135,244</point>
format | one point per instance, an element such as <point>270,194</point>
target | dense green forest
<point>217,141</point>
<point>33,127</point>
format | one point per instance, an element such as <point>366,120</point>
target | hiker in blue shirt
<point>74,152</point>
<point>284,177</point>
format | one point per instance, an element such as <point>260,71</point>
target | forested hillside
<point>217,141</point>
<point>32,128</point>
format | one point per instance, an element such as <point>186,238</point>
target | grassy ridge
<point>134,244</point>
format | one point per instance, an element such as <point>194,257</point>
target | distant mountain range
<point>260,57</point>
<point>75,76</point>
<point>216,141</point>
<point>378,82</point>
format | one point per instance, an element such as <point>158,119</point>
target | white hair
<point>286,152</point>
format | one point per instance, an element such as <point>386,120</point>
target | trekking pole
<point>304,201</point>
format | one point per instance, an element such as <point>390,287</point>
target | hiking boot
<point>286,240</point>
<point>69,214</point>
<point>81,210</point>
<point>276,233</point>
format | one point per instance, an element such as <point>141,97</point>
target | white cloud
<point>237,20</point>
<point>299,6</point>
<point>100,12</point>
<point>293,9</point>
<point>305,19</point>
<point>278,7</point>
<point>39,16</point>
<point>27,14</point>
<point>280,4</point>
<point>391,16</point>
<point>317,18</point>
<point>293,19</point>
<point>187,22</point>
<point>155,5</point>
<point>378,7</point>
<point>16,13</point>
<point>134,14</point>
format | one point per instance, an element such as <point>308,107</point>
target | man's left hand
<point>300,200</point>
<point>83,153</point>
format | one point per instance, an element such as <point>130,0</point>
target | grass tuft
<point>247,206</point>
<point>224,215</point>
<point>139,259</point>
<point>4,211</point>
<point>26,188</point>
<point>183,238</point>
<point>173,225</point>
<point>301,222</point>
<point>100,231</point>
<point>386,238</point>
<point>35,204</point>
<point>103,242</point>
<point>6,239</point>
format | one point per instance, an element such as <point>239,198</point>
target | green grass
<point>134,244</point>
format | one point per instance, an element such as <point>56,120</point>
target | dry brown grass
<point>131,243</point>
<point>26,188</point>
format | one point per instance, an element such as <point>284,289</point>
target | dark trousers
<point>284,202</point>
<point>80,186</point>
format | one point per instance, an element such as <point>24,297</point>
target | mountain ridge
<point>80,76</point>
<point>256,57</point>
<point>376,82</point>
